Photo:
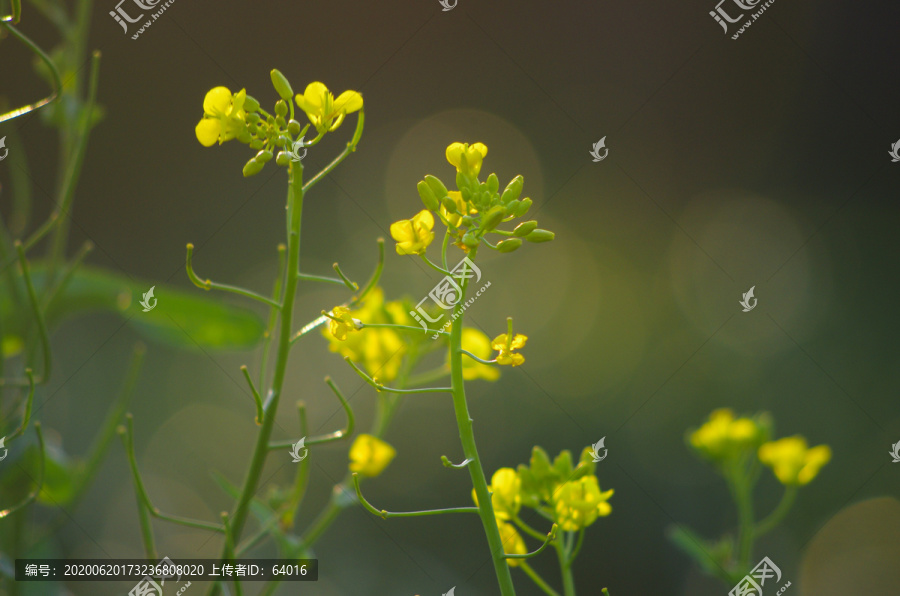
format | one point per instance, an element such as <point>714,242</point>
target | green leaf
<point>188,320</point>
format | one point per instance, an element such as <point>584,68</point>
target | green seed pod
<point>256,144</point>
<point>431,202</point>
<point>524,206</point>
<point>294,127</point>
<point>449,204</point>
<point>282,87</point>
<point>263,156</point>
<point>525,228</point>
<point>281,108</point>
<point>509,245</point>
<point>493,183</point>
<point>252,167</point>
<point>513,190</point>
<point>250,104</point>
<point>437,187</point>
<point>492,218</point>
<point>540,235</point>
<point>282,158</point>
<point>470,240</point>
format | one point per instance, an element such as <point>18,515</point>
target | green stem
<point>251,480</point>
<point>537,579</point>
<point>744,502</point>
<point>774,518</point>
<point>565,569</point>
<point>467,438</point>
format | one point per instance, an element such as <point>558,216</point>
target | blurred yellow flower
<point>578,503</point>
<point>794,463</point>
<point>506,346</point>
<point>723,436</point>
<point>413,235</point>
<point>505,497</point>
<point>369,455</point>
<point>477,343</point>
<point>223,116</point>
<point>512,541</point>
<point>341,323</point>
<point>467,158</point>
<point>379,350</point>
<point>324,111</point>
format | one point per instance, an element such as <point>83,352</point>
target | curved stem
<point>526,528</point>
<point>428,262</point>
<point>332,436</point>
<point>577,548</point>
<point>449,464</point>
<point>388,514</point>
<point>127,434</point>
<point>205,284</point>
<point>40,482</point>
<point>38,315</point>
<point>57,84</point>
<point>353,286</point>
<point>774,518</point>
<point>379,387</point>
<point>256,398</point>
<point>29,402</point>
<point>350,148</point>
<point>550,536</point>
<point>477,359</point>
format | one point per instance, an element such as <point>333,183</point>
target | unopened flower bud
<point>540,235</point>
<point>492,218</point>
<point>493,184</point>
<point>281,108</point>
<point>294,127</point>
<point>437,187</point>
<point>251,105</point>
<point>252,167</point>
<point>256,144</point>
<point>449,204</point>
<point>512,190</point>
<point>509,245</point>
<point>470,240</point>
<point>282,87</point>
<point>523,207</point>
<point>525,228</point>
<point>263,156</point>
<point>282,158</point>
<point>431,202</point>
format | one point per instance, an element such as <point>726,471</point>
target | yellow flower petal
<point>208,131</point>
<point>217,101</point>
<point>348,102</point>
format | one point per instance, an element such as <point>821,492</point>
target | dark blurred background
<point>760,161</point>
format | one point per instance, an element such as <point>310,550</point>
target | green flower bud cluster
<point>478,207</point>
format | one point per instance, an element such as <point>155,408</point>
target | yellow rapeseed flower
<point>413,235</point>
<point>505,488</point>
<point>792,461</point>
<point>223,116</point>
<point>324,111</point>
<point>477,343</point>
<point>578,503</point>
<point>506,346</point>
<point>380,350</point>
<point>512,541</point>
<point>341,323</point>
<point>467,158</point>
<point>723,436</point>
<point>369,455</point>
